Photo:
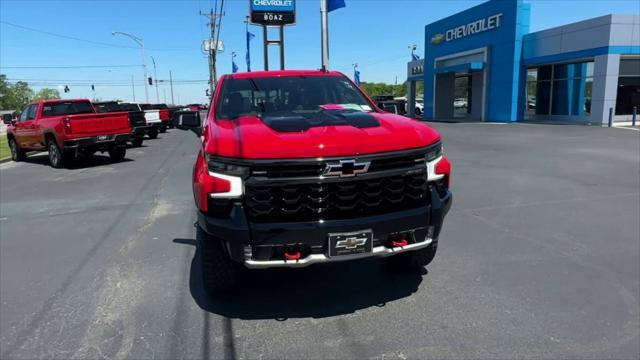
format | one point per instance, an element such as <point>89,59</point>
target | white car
<point>460,103</point>
<point>419,107</point>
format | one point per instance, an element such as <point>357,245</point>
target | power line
<point>82,40</point>
<point>68,67</point>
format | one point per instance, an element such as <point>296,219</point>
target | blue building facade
<point>483,64</point>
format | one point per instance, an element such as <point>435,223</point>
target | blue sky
<point>373,33</point>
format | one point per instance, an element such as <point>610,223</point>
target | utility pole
<point>155,78</point>
<point>171,82</point>
<point>212,50</point>
<point>133,89</point>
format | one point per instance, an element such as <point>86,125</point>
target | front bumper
<point>240,235</point>
<point>93,142</point>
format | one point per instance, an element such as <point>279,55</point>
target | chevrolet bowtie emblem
<point>346,168</point>
<point>350,243</point>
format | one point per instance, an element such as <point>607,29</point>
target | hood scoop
<point>303,122</point>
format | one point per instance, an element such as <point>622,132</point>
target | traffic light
<point>66,89</point>
<point>93,88</point>
<point>207,92</point>
<point>150,81</point>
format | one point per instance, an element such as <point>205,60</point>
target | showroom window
<point>559,89</point>
<point>628,86</point>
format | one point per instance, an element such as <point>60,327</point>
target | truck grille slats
<point>346,199</point>
<point>302,170</point>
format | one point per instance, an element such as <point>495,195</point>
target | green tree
<point>14,97</point>
<point>46,94</point>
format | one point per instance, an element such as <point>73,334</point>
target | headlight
<point>214,165</point>
<point>224,180</point>
<point>434,152</point>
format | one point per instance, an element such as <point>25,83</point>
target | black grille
<point>343,199</point>
<point>314,169</point>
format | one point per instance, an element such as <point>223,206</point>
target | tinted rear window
<point>67,108</point>
<point>107,107</point>
<point>129,107</point>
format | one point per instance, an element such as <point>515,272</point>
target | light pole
<point>140,42</point>
<point>155,79</point>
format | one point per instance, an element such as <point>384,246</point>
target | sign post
<point>272,13</point>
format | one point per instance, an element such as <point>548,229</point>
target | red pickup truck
<point>301,167</point>
<point>67,128</point>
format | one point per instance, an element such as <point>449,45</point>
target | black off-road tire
<point>415,260</point>
<point>117,153</point>
<point>137,142</point>
<point>17,154</point>
<point>220,274</point>
<point>57,159</point>
<point>153,134</point>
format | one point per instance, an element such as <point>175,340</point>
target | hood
<point>249,137</point>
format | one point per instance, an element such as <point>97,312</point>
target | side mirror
<point>188,120</point>
<point>7,119</point>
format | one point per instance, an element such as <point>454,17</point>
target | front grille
<point>343,199</point>
<point>314,169</point>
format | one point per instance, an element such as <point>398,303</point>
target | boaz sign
<point>273,12</point>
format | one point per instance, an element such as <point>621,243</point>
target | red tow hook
<point>399,243</point>
<point>294,256</point>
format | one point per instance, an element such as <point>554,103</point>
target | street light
<point>155,77</point>
<point>140,42</point>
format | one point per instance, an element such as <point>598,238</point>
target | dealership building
<point>483,64</point>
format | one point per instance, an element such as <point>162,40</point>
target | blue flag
<point>356,77</point>
<point>234,67</point>
<point>249,37</point>
<point>414,57</point>
<point>335,5</point>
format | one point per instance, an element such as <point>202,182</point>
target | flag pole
<point>324,37</point>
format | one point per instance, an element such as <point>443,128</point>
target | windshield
<point>288,95</point>
<point>67,108</point>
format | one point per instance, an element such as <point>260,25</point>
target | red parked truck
<point>301,167</point>
<point>67,128</point>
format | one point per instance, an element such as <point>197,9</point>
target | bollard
<point>610,117</point>
<point>633,118</point>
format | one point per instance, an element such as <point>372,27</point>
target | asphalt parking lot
<point>539,258</point>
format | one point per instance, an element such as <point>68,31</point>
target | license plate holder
<point>351,243</point>
<point>103,137</point>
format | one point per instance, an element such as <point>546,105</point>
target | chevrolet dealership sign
<point>472,28</point>
<point>273,12</point>
<point>273,5</point>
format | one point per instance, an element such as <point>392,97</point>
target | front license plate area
<point>358,242</point>
<point>103,137</point>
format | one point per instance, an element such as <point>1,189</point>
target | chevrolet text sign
<point>273,12</point>
<point>273,5</point>
<point>475,27</point>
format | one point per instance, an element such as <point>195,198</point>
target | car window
<point>24,113</point>
<point>29,113</point>
<point>67,108</point>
